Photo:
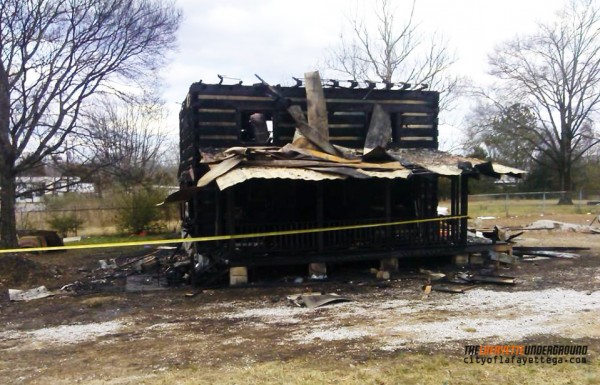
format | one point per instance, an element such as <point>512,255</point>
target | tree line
<point>58,60</point>
<point>78,81</point>
<point>540,112</point>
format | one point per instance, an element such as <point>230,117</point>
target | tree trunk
<point>565,165</point>
<point>564,174</point>
<point>565,185</point>
<point>8,223</point>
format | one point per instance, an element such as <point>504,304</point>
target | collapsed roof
<point>312,157</point>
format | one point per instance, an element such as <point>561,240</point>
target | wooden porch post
<point>320,215</point>
<point>388,210</point>
<point>454,201</point>
<point>230,216</point>
<point>464,206</point>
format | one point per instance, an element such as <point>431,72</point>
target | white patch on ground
<point>476,315</point>
<point>66,334</point>
<point>501,316</point>
<point>238,340</point>
<point>287,315</point>
<point>161,326</point>
<point>336,334</point>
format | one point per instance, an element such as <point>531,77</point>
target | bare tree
<point>55,55</point>
<point>126,141</point>
<point>556,73</point>
<point>394,51</point>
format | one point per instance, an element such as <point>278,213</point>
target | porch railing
<point>439,231</point>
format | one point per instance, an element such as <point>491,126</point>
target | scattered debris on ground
<point>28,295</point>
<point>313,300</point>
<point>546,224</point>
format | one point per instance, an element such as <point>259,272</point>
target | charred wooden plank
<point>380,130</point>
<point>316,106</point>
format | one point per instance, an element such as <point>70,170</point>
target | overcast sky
<point>278,39</point>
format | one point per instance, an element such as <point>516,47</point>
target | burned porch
<point>356,179</point>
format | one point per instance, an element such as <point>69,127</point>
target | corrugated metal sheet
<point>397,174</point>
<point>242,174</point>
<point>443,169</point>
<point>444,163</point>
<point>505,170</point>
<point>312,165</point>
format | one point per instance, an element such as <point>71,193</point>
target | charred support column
<point>237,275</point>
<point>218,213</point>
<point>388,209</point>
<point>388,264</point>
<point>320,216</point>
<point>230,225</point>
<point>319,269</point>
<point>464,206</point>
<point>454,206</point>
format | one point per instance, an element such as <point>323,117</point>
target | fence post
<point>543,203</point>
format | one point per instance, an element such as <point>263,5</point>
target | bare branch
<point>55,55</point>
<point>556,72</point>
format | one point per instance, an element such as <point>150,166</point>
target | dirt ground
<point>388,333</point>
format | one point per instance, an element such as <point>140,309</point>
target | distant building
<point>32,189</point>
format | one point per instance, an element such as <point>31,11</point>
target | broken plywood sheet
<point>317,163</point>
<point>219,169</point>
<point>290,148</point>
<point>311,133</point>
<point>316,109</point>
<point>379,134</point>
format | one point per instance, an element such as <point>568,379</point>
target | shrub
<point>138,211</point>
<point>65,223</point>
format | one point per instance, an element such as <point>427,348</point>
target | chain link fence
<point>91,220</point>
<point>103,219</point>
<point>536,203</point>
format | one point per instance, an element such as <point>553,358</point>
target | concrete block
<point>503,248</point>
<point>238,276</point>
<point>476,259</point>
<point>460,260</point>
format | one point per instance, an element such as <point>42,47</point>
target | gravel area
<point>479,314</point>
<point>65,334</point>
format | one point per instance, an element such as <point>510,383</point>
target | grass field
<point>521,207</point>
<point>417,368</point>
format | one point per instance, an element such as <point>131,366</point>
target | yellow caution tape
<point>225,237</point>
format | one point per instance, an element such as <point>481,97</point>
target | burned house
<point>312,173</point>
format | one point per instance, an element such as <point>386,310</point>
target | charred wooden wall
<point>217,116</point>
